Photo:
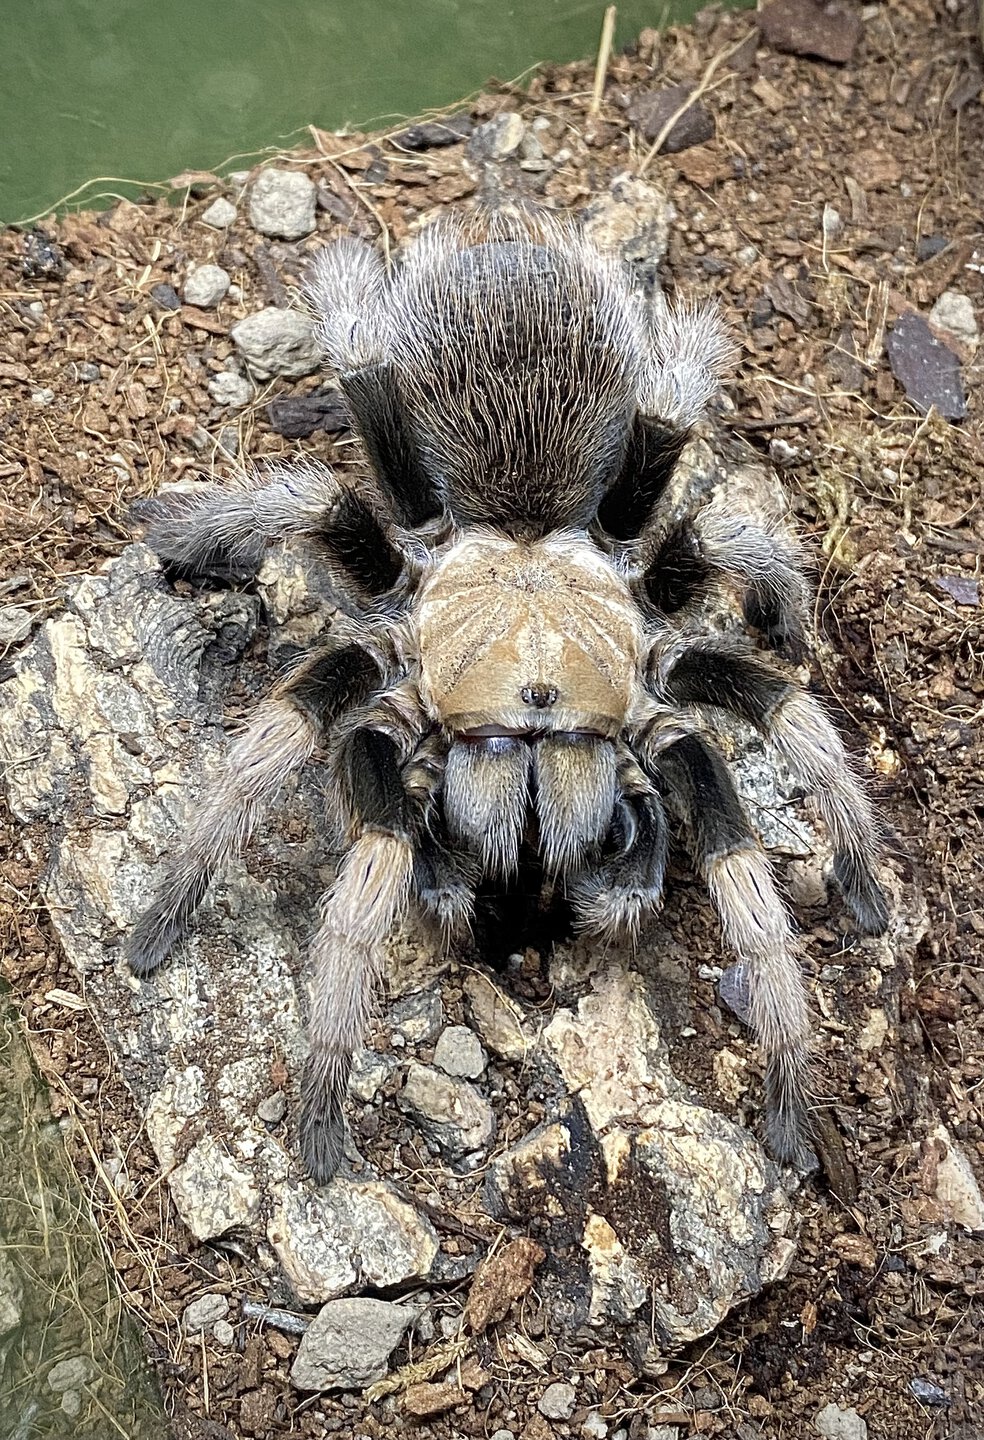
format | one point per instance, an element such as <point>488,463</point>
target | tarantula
<point>515,685</point>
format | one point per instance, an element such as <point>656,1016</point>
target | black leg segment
<point>678,572</point>
<point>654,449</point>
<point>355,540</point>
<point>334,680</point>
<point>695,773</point>
<point>743,684</point>
<point>382,421</point>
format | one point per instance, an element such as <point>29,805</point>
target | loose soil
<point>883,1290</point>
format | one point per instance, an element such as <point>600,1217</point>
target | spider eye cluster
<point>520,694</point>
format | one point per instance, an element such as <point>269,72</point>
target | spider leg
<point>756,926</point>
<point>797,727</point>
<point>614,896</point>
<point>281,737</point>
<point>350,293</point>
<point>694,555</point>
<point>367,901</point>
<point>690,351</point>
<point>225,530</point>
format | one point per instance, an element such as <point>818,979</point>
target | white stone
<point>203,1312</point>
<point>220,214</point>
<point>956,1184</point>
<point>277,342</point>
<point>69,1374</point>
<point>224,1333</point>
<point>459,1052</point>
<point>595,1427</point>
<point>838,1424</point>
<point>632,220</point>
<point>282,203</point>
<point>228,388</point>
<point>953,313</point>
<point>206,285</point>
<point>557,1401</point>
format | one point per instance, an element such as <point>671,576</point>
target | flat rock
<point>15,625</point>
<point>108,721</point>
<point>298,416</point>
<point>927,370</point>
<point>557,1401</point>
<point>650,112</point>
<point>277,342</point>
<point>348,1344</point>
<point>805,27</point>
<point>498,138</point>
<point>203,1312</point>
<point>349,1235</point>
<point>283,204</point>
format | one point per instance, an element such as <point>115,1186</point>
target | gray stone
<point>43,397</point>
<point>557,1401</point>
<point>224,1333</point>
<point>459,1052</point>
<point>370,1070</point>
<point>503,1435</point>
<point>228,388</point>
<point>348,1344</point>
<point>69,1374</point>
<point>277,342</point>
<point>203,1312</point>
<point>206,285</point>
<point>451,1111</point>
<point>497,138</point>
<point>838,1424</point>
<point>595,1426</point>
<point>497,1017</point>
<point>418,1017</point>
<point>71,1403</point>
<point>89,372</point>
<point>954,314</point>
<point>272,1108</point>
<point>632,220</point>
<point>220,214</point>
<point>11,1295</point>
<point>15,625</point>
<point>283,203</point>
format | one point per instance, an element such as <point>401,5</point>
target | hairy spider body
<point>518,685</point>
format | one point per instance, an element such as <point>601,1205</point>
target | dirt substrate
<point>832,201</point>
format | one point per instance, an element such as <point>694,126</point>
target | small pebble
<point>557,1401</point>
<point>223,1332</point>
<point>503,1435</point>
<point>203,1312</point>
<point>594,1427</point>
<point>228,388</point>
<point>272,1108</point>
<point>220,214</point>
<point>206,285</point>
<point>165,296</point>
<point>42,397</point>
<point>69,1374</point>
<point>88,372</point>
<point>953,313</point>
<point>459,1052</point>
<point>497,138</point>
<point>15,625</point>
<point>282,203</point>
<point>838,1424</point>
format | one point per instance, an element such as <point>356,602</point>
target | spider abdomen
<point>525,637</point>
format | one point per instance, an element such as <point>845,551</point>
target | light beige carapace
<point>518,637</point>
